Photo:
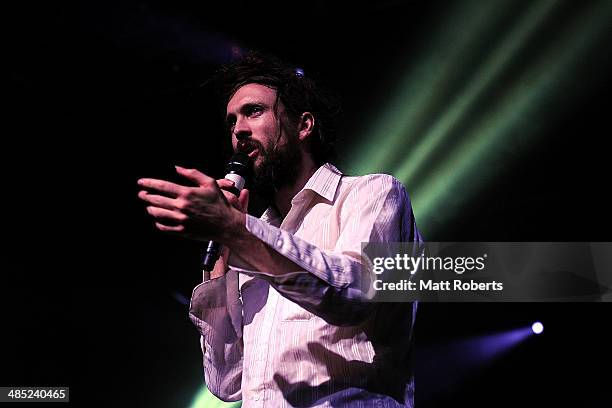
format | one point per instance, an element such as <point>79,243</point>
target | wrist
<point>236,226</point>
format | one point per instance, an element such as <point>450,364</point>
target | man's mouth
<point>253,154</point>
<point>248,147</point>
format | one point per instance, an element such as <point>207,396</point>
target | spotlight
<point>537,327</point>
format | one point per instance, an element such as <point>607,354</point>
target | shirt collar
<point>324,182</point>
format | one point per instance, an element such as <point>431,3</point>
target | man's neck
<point>283,197</point>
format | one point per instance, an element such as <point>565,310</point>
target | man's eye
<point>255,110</point>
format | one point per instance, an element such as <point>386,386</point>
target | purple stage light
<point>537,327</point>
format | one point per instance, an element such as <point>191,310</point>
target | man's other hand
<point>204,212</point>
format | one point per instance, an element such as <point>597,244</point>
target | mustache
<point>248,145</point>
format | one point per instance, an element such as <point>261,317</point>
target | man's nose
<point>242,129</point>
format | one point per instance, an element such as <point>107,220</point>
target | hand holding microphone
<point>238,168</point>
<point>200,212</point>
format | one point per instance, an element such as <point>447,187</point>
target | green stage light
<point>423,91</point>
<point>205,399</point>
<point>445,149</point>
<point>523,112</point>
<point>461,109</point>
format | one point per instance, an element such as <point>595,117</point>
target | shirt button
<point>279,243</point>
<point>256,397</point>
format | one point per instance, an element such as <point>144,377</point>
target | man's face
<point>265,135</point>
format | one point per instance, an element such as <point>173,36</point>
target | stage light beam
<point>444,133</point>
<point>522,112</point>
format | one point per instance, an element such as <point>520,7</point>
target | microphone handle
<point>213,249</point>
<point>211,255</point>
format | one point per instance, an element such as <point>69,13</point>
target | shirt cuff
<point>335,269</point>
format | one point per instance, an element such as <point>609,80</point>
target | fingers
<point>194,175</point>
<point>169,228</point>
<point>231,198</point>
<point>173,189</point>
<point>166,216</point>
<point>226,186</point>
<point>244,200</point>
<point>225,183</point>
<point>157,200</point>
<point>239,202</point>
<point>188,211</point>
<point>167,187</point>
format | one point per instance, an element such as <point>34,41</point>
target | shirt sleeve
<point>216,311</point>
<point>336,284</point>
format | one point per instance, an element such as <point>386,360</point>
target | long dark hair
<point>297,91</point>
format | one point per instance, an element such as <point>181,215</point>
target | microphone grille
<point>240,163</point>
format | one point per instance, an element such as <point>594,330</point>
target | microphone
<point>237,170</point>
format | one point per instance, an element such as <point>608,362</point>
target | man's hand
<point>204,212</point>
<point>241,202</point>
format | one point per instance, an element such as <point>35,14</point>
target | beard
<point>279,168</point>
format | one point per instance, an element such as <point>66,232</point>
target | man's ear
<point>306,125</point>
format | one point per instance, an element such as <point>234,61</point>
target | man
<point>284,319</point>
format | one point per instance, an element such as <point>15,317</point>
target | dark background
<point>101,93</point>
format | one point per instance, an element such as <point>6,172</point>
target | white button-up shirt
<point>309,337</point>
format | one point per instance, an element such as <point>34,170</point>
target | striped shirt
<point>309,337</point>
